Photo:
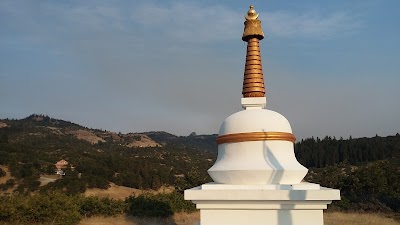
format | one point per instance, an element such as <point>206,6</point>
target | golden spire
<point>253,83</point>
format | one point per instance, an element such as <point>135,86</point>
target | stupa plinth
<point>257,178</point>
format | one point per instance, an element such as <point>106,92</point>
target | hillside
<point>31,146</point>
<point>367,170</point>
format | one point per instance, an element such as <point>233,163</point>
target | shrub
<point>5,209</point>
<point>9,184</point>
<point>158,205</point>
<point>2,173</point>
<point>91,206</point>
<point>97,182</point>
<point>176,201</point>
<point>55,208</point>
<point>142,206</point>
<point>69,185</point>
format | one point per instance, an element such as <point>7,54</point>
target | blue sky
<point>331,67</point>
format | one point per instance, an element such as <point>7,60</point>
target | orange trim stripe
<point>256,136</point>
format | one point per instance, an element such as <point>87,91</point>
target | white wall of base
<point>261,217</point>
<point>298,204</point>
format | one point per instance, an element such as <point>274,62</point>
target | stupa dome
<point>255,120</point>
<point>255,146</point>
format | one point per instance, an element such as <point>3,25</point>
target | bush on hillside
<point>94,206</point>
<point>97,182</point>
<point>2,173</point>
<point>55,208</point>
<point>9,184</point>
<point>158,205</point>
<point>143,207</point>
<point>29,185</point>
<point>374,187</point>
<point>176,201</point>
<point>71,185</point>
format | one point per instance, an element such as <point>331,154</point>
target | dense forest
<point>329,151</point>
<point>367,170</point>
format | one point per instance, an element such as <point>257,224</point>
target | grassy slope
<point>335,218</point>
<point>358,219</point>
<point>7,176</point>
<point>121,192</point>
<point>178,219</point>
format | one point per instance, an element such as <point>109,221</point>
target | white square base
<point>261,204</point>
<point>261,217</point>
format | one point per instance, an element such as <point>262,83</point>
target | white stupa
<point>257,178</point>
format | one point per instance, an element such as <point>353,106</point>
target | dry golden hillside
<point>143,141</point>
<point>2,124</point>
<point>121,192</point>
<point>7,176</point>
<point>87,136</point>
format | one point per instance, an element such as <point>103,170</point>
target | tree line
<point>316,153</point>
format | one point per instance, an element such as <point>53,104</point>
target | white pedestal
<point>300,204</point>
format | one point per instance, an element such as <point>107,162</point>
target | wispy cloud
<point>311,24</point>
<point>95,18</point>
<point>206,23</point>
<point>129,55</point>
<point>188,21</point>
<point>179,20</point>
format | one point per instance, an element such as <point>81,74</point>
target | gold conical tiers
<point>253,83</point>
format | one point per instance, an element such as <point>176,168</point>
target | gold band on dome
<point>256,136</point>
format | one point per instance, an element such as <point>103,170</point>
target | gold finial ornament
<point>253,83</point>
<point>251,14</point>
<point>252,25</point>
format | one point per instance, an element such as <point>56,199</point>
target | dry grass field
<point>177,219</point>
<point>335,218</point>
<point>4,179</point>
<point>7,176</point>
<point>45,179</point>
<point>121,192</point>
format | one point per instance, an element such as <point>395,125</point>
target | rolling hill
<point>367,170</point>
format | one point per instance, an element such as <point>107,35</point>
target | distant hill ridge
<point>94,136</point>
<point>307,150</point>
